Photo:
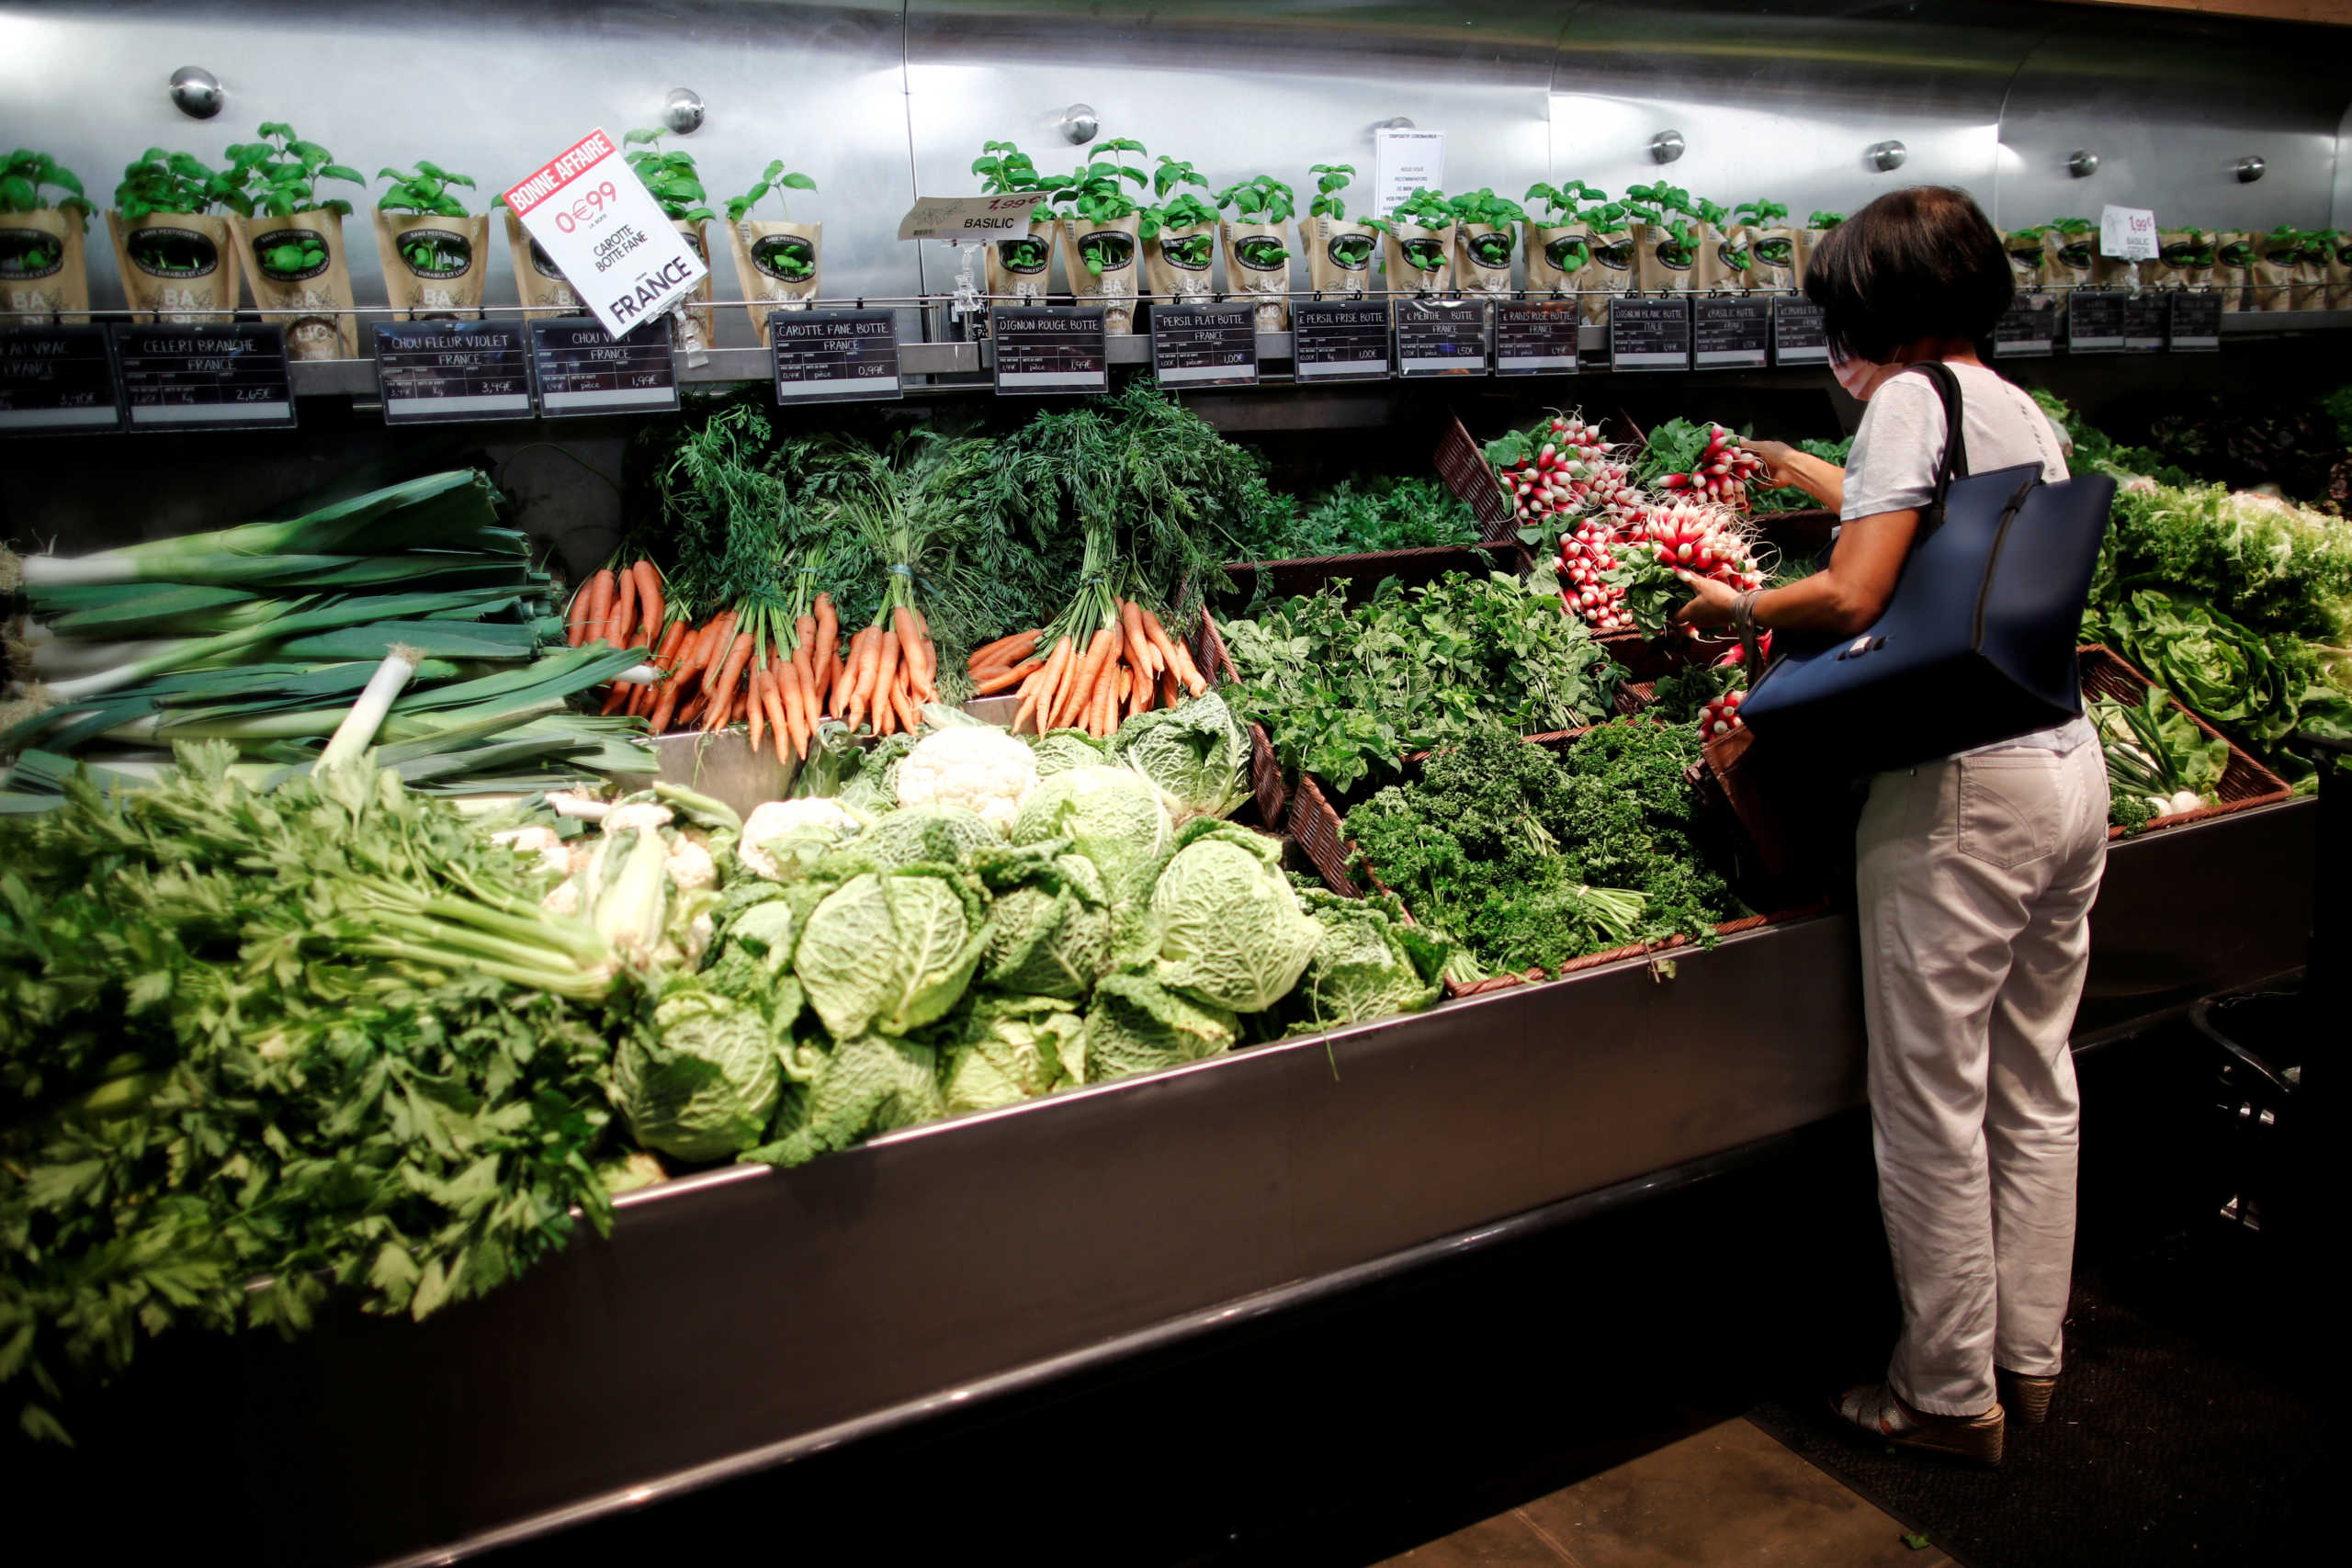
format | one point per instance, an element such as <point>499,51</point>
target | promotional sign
<point>1649,334</point>
<point>1730,334</point>
<point>835,355</point>
<point>56,378</point>
<point>1042,348</point>
<point>1404,162</point>
<point>1440,337</point>
<point>967,219</point>
<point>433,372</point>
<point>2127,233</point>
<point>607,234</point>
<point>205,377</point>
<point>2094,322</point>
<point>1204,345</point>
<point>2027,330</point>
<point>1340,342</point>
<point>1798,335</point>
<point>1536,337</point>
<point>2196,320</point>
<point>585,369</point>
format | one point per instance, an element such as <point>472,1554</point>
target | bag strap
<point>1953,464</point>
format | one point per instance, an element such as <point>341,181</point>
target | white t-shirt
<point>1893,465</point>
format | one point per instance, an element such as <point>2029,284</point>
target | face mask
<point>1854,374</point>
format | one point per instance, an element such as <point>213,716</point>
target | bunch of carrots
<point>1107,659</point>
<point>622,605</point>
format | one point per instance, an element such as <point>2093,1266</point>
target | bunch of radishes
<point>1570,471</point>
<point>1709,540</point>
<point>1723,472</point>
<point>1587,552</point>
<point>1720,716</point>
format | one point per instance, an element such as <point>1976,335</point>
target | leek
<point>359,725</point>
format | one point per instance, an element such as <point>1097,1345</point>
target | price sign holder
<point>1340,340</point>
<point>583,370</point>
<point>57,380</point>
<point>1049,349</point>
<point>1442,337</point>
<point>437,372</point>
<point>1204,345</point>
<point>2028,330</point>
<point>228,375</point>
<point>833,356</point>
<point>2144,314</point>
<point>1649,334</point>
<point>1798,334</point>
<point>2095,320</point>
<point>2196,325</point>
<point>1730,332</point>
<point>1536,337</point>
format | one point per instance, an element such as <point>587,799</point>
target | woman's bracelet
<point>1743,620</point>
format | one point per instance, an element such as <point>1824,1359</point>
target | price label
<point>967,219</point>
<point>2143,322</point>
<point>1042,348</point>
<point>585,369</point>
<point>824,356</point>
<point>2196,323</point>
<point>1536,337</point>
<point>2128,234</point>
<point>1340,342</point>
<point>1440,337</point>
<point>1649,334</point>
<point>56,378</point>
<point>434,372</point>
<point>1204,345</point>
<point>2094,322</point>
<point>1729,333</point>
<point>1798,335</point>
<point>607,234</point>
<point>228,376</point>
<point>2028,330</point>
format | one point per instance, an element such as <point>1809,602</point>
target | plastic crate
<point>2244,782</point>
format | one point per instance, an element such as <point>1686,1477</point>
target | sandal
<point>1882,1413</point>
<point>2026,1398</point>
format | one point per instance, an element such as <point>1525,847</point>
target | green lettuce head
<point>1062,750</point>
<point>1112,815</point>
<point>925,835</point>
<point>1370,963</point>
<point>705,1084</point>
<point>892,950</point>
<point>1011,1048</point>
<point>1196,753</point>
<point>1136,1025</point>
<point>1231,932</point>
<point>1049,932</point>
<point>866,1085</point>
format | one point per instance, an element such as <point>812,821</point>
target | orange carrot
<point>601,588</point>
<point>850,703</point>
<point>730,671</point>
<point>624,611</point>
<point>996,683</point>
<point>1009,649</point>
<point>1078,685</point>
<point>649,599</point>
<point>885,665</point>
<point>829,632</point>
<point>902,630</point>
<point>576,622</point>
<point>756,711</point>
<point>930,651</point>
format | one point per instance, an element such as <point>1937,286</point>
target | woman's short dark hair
<point>1915,264</point>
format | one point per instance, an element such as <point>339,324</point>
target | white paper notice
<point>607,234</point>
<point>2127,233</point>
<point>1403,163</point>
<point>970,218</point>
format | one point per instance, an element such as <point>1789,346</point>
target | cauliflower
<point>775,818</point>
<point>984,770</point>
<point>639,814</point>
<point>689,866</point>
<point>542,840</point>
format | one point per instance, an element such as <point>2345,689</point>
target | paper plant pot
<point>2184,260</point>
<point>536,280</point>
<point>696,322</point>
<point>2339,272</point>
<point>1726,262</point>
<point>1099,260</point>
<point>1776,259</point>
<point>2029,264</point>
<point>1663,265</point>
<point>1256,268</point>
<point>1338,255</point>
<point>294,264</point>
<point>176,267</point>
<point>434,267</point>
<point>1020,264</point>
<point>777,262</point>
<point>1553,255</point>
<point>1482,259</point>
<point>1611,270</point>
<point>43,277</point>
<point>1181,263</point>
<point>2284,279</point>
<point>1420,258</point>
<point>2235,258</point>
<point>2074,263</point>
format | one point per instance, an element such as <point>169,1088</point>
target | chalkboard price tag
<point>1729,332</point>
<point>1649,334</point>
<point>1340,341</point>
<point>2143,322</point>
<point>2027,330</point>
<point>2094,322</point>
<point>1442,337</point>
<point>828,356</point>
<point>434,372</point>
<point>583,370</point>
<point>1049,348</point>
<point>1536,337</point>
<point>210,376</point>
<point>1204,345</point>
<point>56,379</point>
<point>1798,334</point>
<point>2196,322</point>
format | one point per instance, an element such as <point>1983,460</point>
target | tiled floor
<point>1728,1496</point>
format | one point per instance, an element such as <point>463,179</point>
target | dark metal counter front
<point>741,1318</point>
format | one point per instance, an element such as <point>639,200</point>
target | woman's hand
<point>1711,607</point>
<point>1777,472</point>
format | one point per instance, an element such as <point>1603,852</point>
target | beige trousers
<point>1976,876</point>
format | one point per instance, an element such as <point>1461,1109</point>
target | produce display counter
<point>745,1317</point>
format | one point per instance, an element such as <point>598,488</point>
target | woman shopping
<point>1975,873</point>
